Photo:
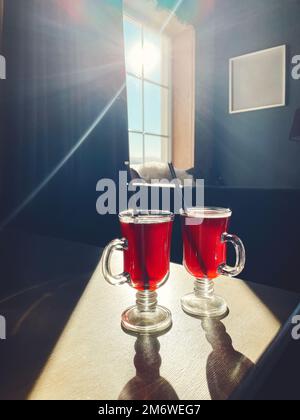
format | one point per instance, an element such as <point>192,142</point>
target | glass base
<point>204,307</point>
<point>203,303</point>
<point>147,322</point>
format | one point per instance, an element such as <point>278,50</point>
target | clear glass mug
<point>146,245</point>
<point>204,232</point>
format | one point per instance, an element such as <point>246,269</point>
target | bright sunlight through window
<point>147,54</point>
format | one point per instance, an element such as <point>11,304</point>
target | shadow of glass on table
<point>147,384</point>
<point>225,367</point>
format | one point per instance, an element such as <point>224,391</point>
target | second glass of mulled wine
<point>146,245</point>
<point>204,232</point>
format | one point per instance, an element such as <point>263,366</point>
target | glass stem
<point>146,300</point>
<point>204,288</point>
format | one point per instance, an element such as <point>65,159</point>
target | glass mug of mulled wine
<point>146,245</point>
<point>204,232</point>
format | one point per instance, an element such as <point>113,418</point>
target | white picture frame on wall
<point>257,80</point>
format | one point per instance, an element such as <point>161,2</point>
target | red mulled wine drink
<point>146,243</point>
<point>204,232</point>
<point>203,249</point>
<point>147,257</point>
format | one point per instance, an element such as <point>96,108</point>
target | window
<point>147,55</point>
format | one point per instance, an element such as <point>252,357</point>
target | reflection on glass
<point>155,109</point>
<point>136,148</point>
<point>133,47</point>
<point>155,149</point>
<point>156,68</point>
<point>152,45</point>
<point>134,104</point>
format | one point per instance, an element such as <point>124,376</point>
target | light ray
<point>171,15</point>
<point>34,193</point>
<point>37,190</point>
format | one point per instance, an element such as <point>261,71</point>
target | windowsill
<point>159,185</point>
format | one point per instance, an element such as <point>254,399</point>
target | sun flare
<point>146,57</point>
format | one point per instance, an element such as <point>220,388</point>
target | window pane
<point>133,47</point>
<point>156,149</point>
<point>135,148</point>
<point>156,57</point>
<point>156,109</point>
<point>134,103</point>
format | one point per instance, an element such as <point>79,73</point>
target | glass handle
<point>118,279</point>
<point>240,256</point>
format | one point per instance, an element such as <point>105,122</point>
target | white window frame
<point>166,154</point>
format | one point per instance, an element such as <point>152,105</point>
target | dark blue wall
<point>249,149</point>
<point>64,66</point>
